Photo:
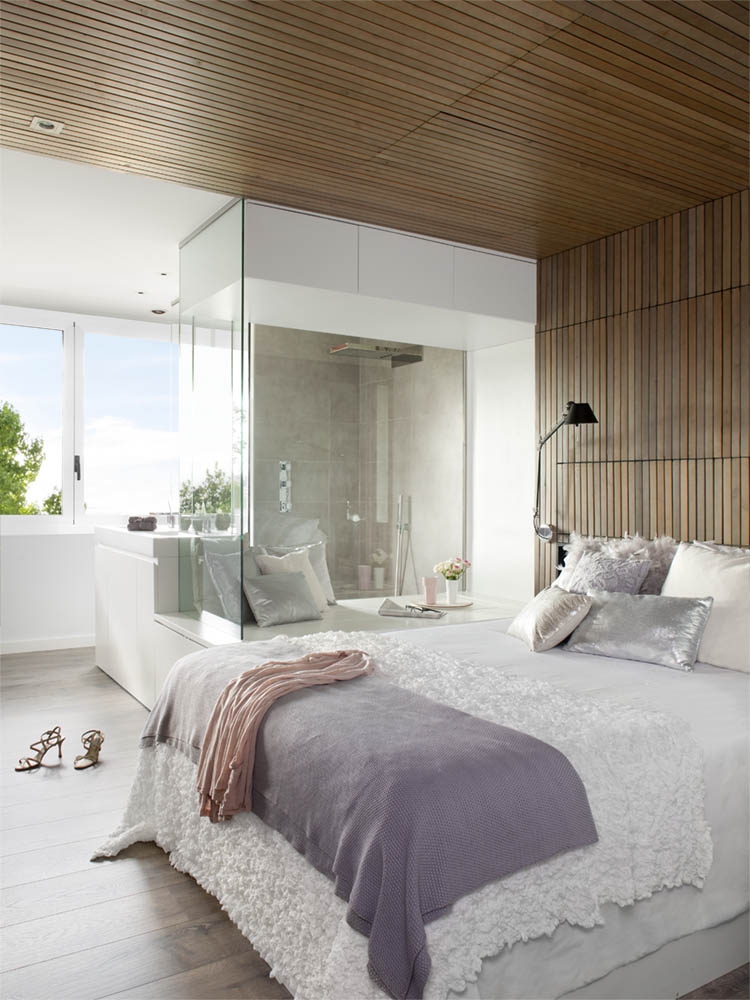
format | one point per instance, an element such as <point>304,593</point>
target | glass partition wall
<point>214,410</point>
<point>352,449</point>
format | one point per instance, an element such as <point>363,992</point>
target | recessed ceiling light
<point>158,312</point>
<point>46,125</point>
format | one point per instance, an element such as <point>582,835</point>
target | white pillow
<point>697,571</point>
<point>295,562</point>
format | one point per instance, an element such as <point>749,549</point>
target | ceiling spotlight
<point>46,125</point>
<point>158,312</point>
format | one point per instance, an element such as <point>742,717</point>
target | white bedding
<point>291,915</point>
<point>715,704</point>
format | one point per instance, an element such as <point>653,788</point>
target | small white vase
<point>451,591</point>
<point>378,577</point>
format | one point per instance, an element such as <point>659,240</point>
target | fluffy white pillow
<point>295,562</point>
<point>697,571</point>
<point>660,551</point>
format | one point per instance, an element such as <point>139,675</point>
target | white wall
<point>46,591</point>
<point>501,469</point>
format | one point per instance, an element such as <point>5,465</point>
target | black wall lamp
<point>575,413</point>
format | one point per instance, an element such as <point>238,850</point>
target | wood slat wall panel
<point>652,328</point>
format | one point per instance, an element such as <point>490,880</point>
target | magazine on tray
<point>390,608</point>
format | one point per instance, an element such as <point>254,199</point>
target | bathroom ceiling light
<point>158,312</point>
<point>46,126</point>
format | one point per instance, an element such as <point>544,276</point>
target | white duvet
<point>643,771</point>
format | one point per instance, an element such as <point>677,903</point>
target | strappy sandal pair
<point>92,741</point>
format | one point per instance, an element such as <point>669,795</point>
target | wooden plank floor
<point>69,927</point>
<point>132,928</point>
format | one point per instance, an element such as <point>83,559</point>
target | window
<point>130,445</point>
<point>31,420</point>
<point>88,418</point>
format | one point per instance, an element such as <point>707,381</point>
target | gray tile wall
<point>327,414</point>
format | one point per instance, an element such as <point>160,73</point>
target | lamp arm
<point>542,442</point>
<point>557,426</point>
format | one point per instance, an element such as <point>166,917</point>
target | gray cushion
<point>317,554</point>
<point>205,593</point>
<point>549,618</point>
<point>664,630</point>
<point>224,571</point>
<point>595,571</point>
<point>280,598</point>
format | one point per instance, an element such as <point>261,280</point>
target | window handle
<point>77,467</point>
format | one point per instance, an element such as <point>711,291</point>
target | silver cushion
<point>548,618</point>
<point>664,630</point>
<point>280,598</point>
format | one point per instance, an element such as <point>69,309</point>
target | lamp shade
<point>580,413</point>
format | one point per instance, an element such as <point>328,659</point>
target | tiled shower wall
<point>358,433</point>
<point>412,443</point>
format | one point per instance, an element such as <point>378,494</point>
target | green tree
<point>213,495</point>
<point>21,459</point>
<point>53,503</point>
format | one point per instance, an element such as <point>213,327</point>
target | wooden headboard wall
<point>652,328</point>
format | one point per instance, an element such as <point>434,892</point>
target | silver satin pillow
<point>548,618</point>
<point>280,598</point>
<point>664,630</point>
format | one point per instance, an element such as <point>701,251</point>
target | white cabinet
<point>136,577</point>
<point>310,253</point>
<point>407,268</point>
<point>494,285</point>
<point>300,249</point>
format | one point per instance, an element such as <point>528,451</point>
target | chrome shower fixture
<point>397,354</point>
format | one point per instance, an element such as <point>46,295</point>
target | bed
<point>647,741</point>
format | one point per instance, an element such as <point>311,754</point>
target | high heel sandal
<point>50,738</point>
<point>92,743</point>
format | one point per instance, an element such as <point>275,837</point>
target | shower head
<point>397,354</point>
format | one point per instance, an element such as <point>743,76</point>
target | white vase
<point>451,591</point>
<point>378,577</point>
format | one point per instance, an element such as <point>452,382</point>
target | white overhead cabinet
<point>327,254</point>
<point>493,285</point>
<point>406,268</point>
<point>300,249</point>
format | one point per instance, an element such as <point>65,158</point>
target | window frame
<point>74,328</point>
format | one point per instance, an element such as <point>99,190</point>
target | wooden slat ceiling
<point>527,126</point>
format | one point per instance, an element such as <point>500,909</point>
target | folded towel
<point>141,524</point>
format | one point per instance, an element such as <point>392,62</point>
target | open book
<point>390,608</point>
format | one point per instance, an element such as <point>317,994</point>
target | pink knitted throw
<point>225,769</point>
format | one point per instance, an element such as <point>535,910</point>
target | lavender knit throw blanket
<point>225,769</point>
<point>405,803</point>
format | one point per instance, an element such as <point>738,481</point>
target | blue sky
<point>130,414</point>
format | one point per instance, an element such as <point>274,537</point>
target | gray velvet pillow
<point>548,618</point>
<point>224,571</point>
<point>595,571</point>
<point>663,630</point>
<point>280,598</point>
